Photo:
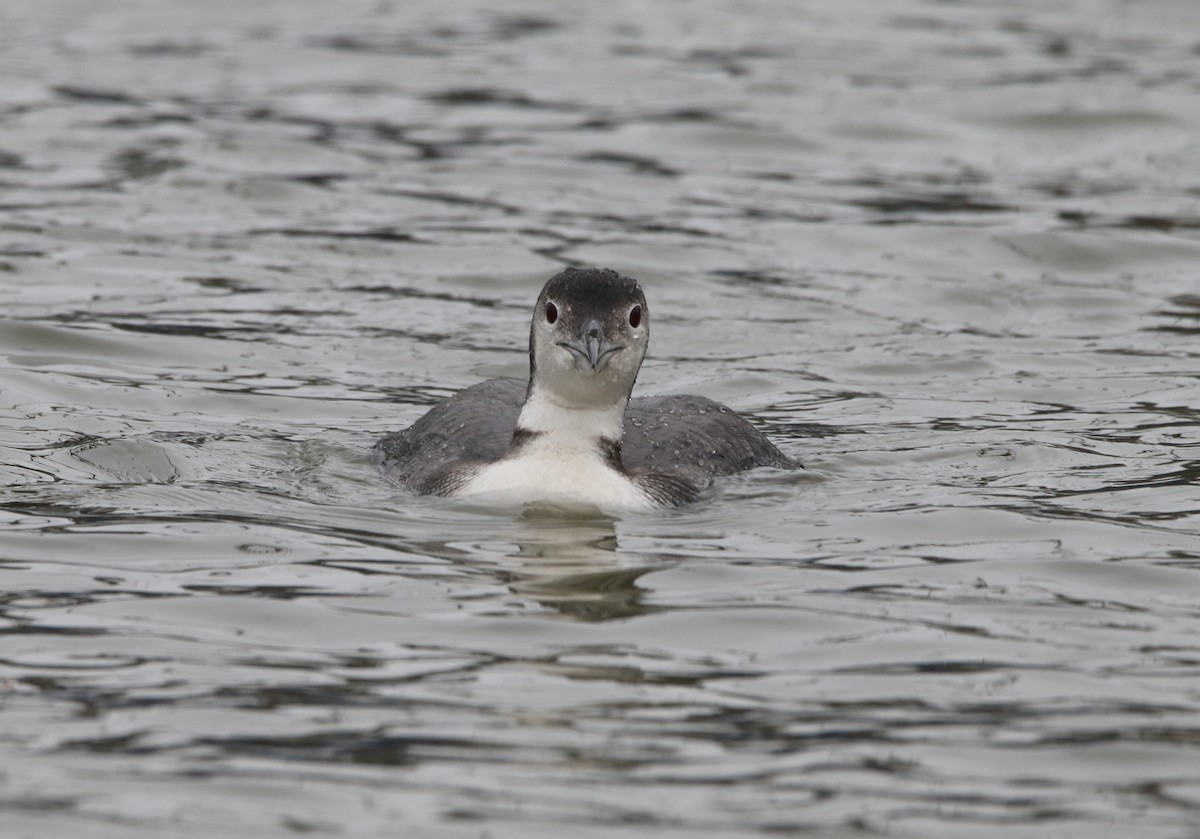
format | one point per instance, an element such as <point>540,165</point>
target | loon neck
<point>594,428</point>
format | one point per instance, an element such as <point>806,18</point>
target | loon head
<point>589,335</point>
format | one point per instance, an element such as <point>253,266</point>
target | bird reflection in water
<point>572,565</point>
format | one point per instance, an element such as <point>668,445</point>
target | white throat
<point>567,427</point>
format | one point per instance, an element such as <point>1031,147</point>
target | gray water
<point>946,253</point>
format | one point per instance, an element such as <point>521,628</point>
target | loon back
<point>683,440</point>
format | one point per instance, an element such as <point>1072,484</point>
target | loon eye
<point>635,316</point>
<point>551,313</point>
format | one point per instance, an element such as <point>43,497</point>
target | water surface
<point>946,253</point>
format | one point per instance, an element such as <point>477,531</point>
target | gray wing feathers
<point>693,438</point>
<point>473,426</point>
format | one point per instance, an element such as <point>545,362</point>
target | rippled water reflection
<point>945,252</point>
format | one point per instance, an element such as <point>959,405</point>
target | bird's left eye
<point>635,316</point>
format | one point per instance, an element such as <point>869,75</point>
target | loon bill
<point>571,435</point>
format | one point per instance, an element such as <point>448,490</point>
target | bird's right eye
<point>551,313</point>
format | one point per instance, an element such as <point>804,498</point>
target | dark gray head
<point>589,335</point>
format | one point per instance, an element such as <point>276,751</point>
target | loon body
<point>571,434</point>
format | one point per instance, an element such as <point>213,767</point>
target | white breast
<point>563,463</point>
<point>541,474</point>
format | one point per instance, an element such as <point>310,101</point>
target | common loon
<point>571,435</point>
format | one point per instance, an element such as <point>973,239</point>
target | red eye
<point>635,316</point>
<point>551,313</point>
